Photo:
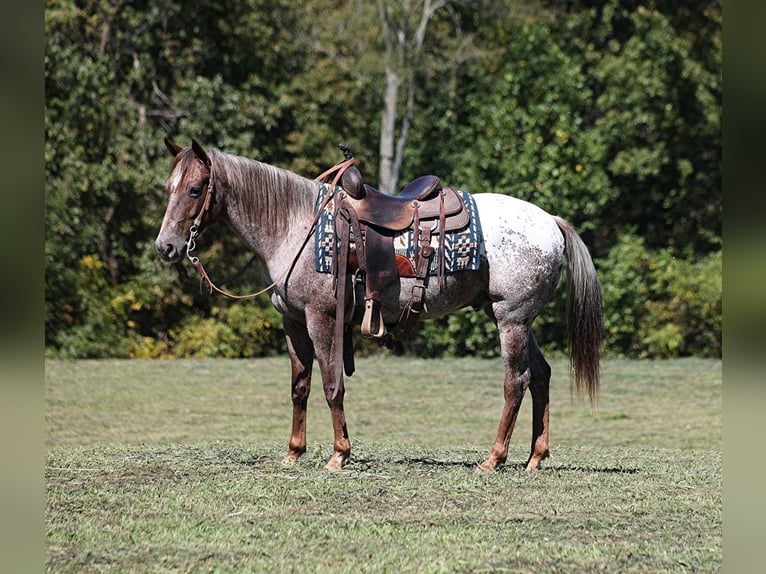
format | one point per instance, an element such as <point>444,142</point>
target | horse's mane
<point>272,195</point>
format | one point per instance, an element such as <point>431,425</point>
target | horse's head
<point>190,199</point>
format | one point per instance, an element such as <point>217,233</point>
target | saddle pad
<point>463,248</point>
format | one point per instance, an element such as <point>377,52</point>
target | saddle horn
<point>351,180</point>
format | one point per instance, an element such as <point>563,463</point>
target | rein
<point>194,231</point>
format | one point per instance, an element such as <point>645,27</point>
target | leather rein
<point>195,229</point>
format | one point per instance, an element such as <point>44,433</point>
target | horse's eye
<point>195,191</point>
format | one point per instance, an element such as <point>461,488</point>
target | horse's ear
<point>201,154</point>
<point>173,147</point>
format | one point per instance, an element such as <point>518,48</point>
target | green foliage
<point>685,314</point>
<point>658,305</point>
<point>102,331</point>
<point>237,331</point>
<point>533,136</point>
<point>660,116</point>
<point>464,333</point>
<point>607,114</point>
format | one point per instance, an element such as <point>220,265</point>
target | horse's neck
<point>269,207</point>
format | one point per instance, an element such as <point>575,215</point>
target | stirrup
<point>373,326</point>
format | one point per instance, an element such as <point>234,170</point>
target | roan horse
<point>273,211</point>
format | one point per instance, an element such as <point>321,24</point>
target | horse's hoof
<point>534,461</point>
<point>336,462</point>
<point>483,468</point>
<point>290,459</point>
<point>333,466</point>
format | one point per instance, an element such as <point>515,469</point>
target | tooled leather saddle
<point>366,221</point>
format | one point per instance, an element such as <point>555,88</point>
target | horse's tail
<point>584,319</point>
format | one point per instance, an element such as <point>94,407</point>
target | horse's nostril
<point>165,250</point>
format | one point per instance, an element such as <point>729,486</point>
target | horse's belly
<point>460,290</point>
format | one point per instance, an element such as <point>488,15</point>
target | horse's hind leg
<point>513,344</point>
<point>539,385</point>
<point>301,352</point>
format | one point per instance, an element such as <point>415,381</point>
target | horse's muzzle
<point>168,251</point>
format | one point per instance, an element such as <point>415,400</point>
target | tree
<point>405,45</point>
<point>411,64</point>
<point>605,112</point>
<point>402,56</point>
<point>120,76</point>
<point>658,104</point>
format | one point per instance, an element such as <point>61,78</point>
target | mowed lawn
<point>175,466</point>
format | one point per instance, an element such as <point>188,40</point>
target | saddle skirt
<point>463,248</point>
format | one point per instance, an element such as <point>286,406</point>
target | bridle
<point>195,229</point>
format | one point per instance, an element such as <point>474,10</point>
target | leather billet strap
<point>345,223</point>
<point>343,218</point>
<point>424,252</point>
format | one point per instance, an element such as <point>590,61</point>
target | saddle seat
<point>422,196</point>
<point>420,188</point>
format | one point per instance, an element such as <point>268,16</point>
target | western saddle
<point>366,222</point>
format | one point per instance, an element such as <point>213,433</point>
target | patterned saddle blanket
<point>463,249</point>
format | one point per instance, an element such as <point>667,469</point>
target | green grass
<point>175,466</point>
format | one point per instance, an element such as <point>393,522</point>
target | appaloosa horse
<point>273,211</point>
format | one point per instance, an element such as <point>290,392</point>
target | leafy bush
<point>465,333</point>
<point>112,322</point>
<point>97,328</point>
<point>683,316</point>
<point>240,330</point>
<point>658,305</point>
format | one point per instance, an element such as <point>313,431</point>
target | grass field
<point>175,466</point>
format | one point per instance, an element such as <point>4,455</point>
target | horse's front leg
<point>301,351</point>
<point>322,327</point>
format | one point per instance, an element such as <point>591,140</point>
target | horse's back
<point>518,220</point>
<point>525,252</point>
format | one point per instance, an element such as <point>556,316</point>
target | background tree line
<point>607,113</point>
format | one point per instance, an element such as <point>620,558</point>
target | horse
<point>273,210</point>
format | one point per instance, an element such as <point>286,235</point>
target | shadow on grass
<point>432,462</point>
<point>370,463</point>
<point>593,469</point>
<point>427,461</point>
